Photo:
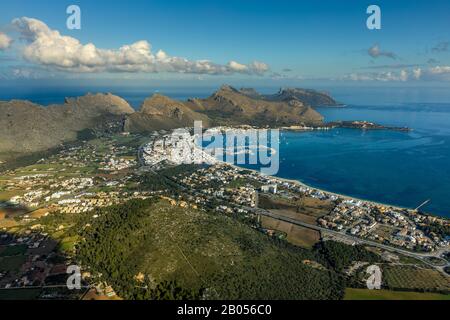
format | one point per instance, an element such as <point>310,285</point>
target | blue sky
<point>290,40</point>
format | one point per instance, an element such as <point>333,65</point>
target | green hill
<point>145,243</point>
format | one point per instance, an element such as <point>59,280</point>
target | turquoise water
<point>398,168</point>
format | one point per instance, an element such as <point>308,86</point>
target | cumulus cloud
<point>376,52</point>
<point>233,65</point>
<point>48,47</point>
<point>5,41</point>
<point>253,68</point>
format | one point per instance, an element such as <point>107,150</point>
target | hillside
<point>149,242</point>
<point>161,112</point>
<point>27,127</point>
<point>306,96</point>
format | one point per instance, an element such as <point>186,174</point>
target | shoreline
<point>303,184</point>
<point>346,197</point>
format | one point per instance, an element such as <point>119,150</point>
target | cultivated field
<point>296,235</point>
<point>366,294</point>
<point>415,278</point>
<point>306,209</point>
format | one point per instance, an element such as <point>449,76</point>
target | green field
<point>68,244</point>
<point>415,278</point>
<point>366,294</point>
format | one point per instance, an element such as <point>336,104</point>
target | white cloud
<point>438,73</point>
<point>440,70</point>
<point>376,52</point>
<point>253,68</point>
<point>417,73</point>
<point>402,76</point>
<point>237,66</point>
<point>258,67</point>
<point>5,41</point>
<point>49,48</point>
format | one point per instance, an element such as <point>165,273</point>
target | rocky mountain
<point>28,127</point>
<point>161,112</point>
<point>229,106</point>
<point>306,96</point>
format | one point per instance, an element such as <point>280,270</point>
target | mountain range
<point>27,127</point>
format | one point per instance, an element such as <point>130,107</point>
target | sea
<point>392,167</point>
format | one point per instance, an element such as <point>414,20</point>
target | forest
<point>190,254</point>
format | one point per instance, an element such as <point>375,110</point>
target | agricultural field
<point>296,235</point>
<point>6,195</point>
<point>37,214</point>
<point>414,278</point>
<point>366,294</point>
<point>306,209</point>
<point>8,223</point>
<point>314,207</point>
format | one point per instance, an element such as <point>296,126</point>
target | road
<point>421,256</point>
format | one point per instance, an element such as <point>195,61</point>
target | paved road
<point>417,255</point>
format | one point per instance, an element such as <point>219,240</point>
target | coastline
<point>346,197</point>
<point>303,184</point>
